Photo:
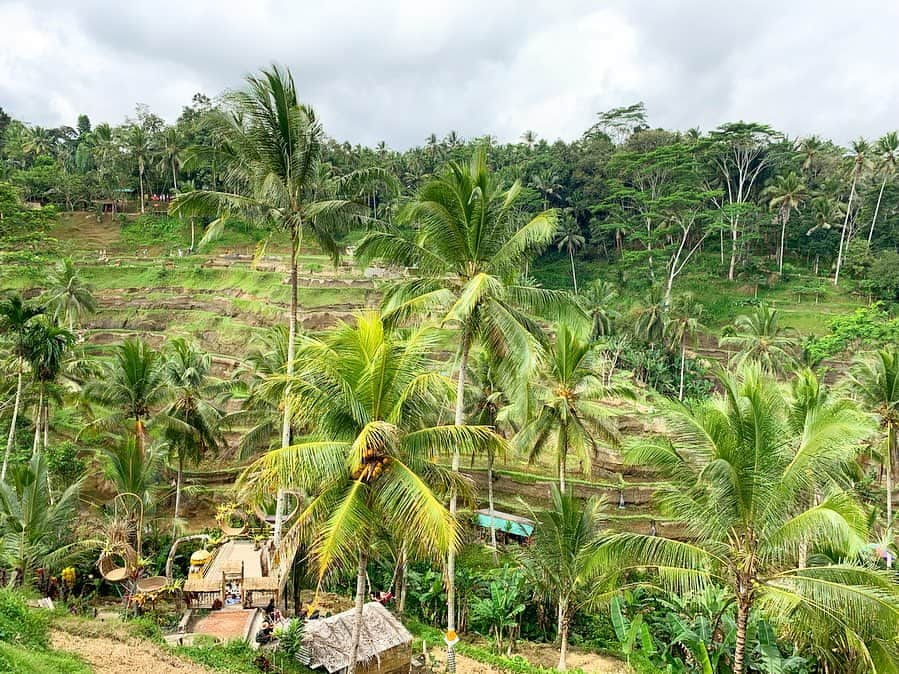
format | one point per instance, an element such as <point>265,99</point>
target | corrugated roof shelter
<point>511,524</point>
<point>385,645</point>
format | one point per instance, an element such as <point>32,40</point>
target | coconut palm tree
<point>192,421</point>
<point>888,159</point>
<point>875,382</point>
<point>138,147</point>
<point>572,415</point>
<point>860,158</point>
<point>562,559</point>
<point>681,327</point>
<point>737,476</point>
<point>15,317</point>
<point>596,302</point>
<point>46,346</point>
<point>570,239</point>
<point>37,530</point>
<point>170,147</point>
<point>67,297</point>
<point>469,247</point>
<point>759,337</point>
<point>131,387</point>
<point>368,398</point>
<point>131,469</point>
<point>785,195</point>
<point>271,166</point>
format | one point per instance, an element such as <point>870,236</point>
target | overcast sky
<point>395,70</point>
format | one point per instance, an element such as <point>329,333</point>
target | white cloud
<point>399,69</point>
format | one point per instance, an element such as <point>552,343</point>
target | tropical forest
<point>271,401</point>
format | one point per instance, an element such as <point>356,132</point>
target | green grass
<point>17,660</point>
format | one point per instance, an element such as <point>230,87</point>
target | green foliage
<point>236,657</point>
<point>865,328</point>
<point>155,230</point>
<point>20,661</point>
<point>21,625</point>
<point>497,614</point>
<point>882,281</point>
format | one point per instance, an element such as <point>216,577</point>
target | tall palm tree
<point>368,397</point>
<point>563,558</point>
<point>37,530</point>
<point>468,249</point>
<point>785,194</point>
<point>888,159</point>
<point>572,414</point>
<point>570,239</point>
<point>191,419</point>
<point>272,154</point>
<point>46,345</point>
<point>15,317</point>
<point>681,327</point>
<point>759,337</point>
<point>171,145</point>
<point>860,157</point>
<point>737,476</point>
<point>131,469</point>
<point>137,143</point>
<point>875,381</point>
<point>131,387</point>
<point>67,297</point>
<point>597,301</point>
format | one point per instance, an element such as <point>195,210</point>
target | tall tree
<point>46,345</point>
<point>368,397</point>
<point>681,327</point>
<point>572,413</point>
<point>875,381</point>
<point>192,420</point>
<point>468,250</point>
<point>570,239</point>
<point>888,160</point>
<point>758,336</point>
<point>272,167</point>
<point>138,146</point>
<point>785,195</point>
<point>860,151</point>
<point>15,317</point>
<point>171,145</point>
<point>737,477</point>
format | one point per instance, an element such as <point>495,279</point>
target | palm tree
<point>368,397</point>
<point>171,145</point>
<point>785,195</point>
<point>191,420</point>
<point>547,184</point>
<point>888,149</point>
<point>737,476</point>
<point>875,381</point>
<point>131,387</point>
<point>46,345</point>
<point>137,143</point>
<point>759,337</point>
<point>272,168</point>
<point>67,297</point>
<point>563,560</point>
<point>469,246</point>
<point>131,469</point>
<point>15,317</point>
<point>681,327</point>
<point>529,138</point>
<point>597,302</point>
<point>859,154</point>
<point>570,239</point>
<point>572,415</point>
<point>37,531</point>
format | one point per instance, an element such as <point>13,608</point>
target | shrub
<point>19,625</point>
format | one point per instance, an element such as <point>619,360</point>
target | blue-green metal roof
<point>501,523</point>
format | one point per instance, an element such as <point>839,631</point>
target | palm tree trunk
<point>877,208</point>
<point>836,276</point>
<point>563,636</point>
<point>177,494</point>
<point>464,348</point>
<point>783,234</point>
<point>742,622</point>
<point>403,584</point>
<point>174,175</point>
<point>140,180</point>
<point>37,424</point>
<point>683,358</point>
<point>193,235</point>
<point>888,466</point>
<point>10,441</point>
<point>360,603</point>
<point>490,505</point>
<point>573,273</point>
<point>291,352</point>
<point>563,455</point>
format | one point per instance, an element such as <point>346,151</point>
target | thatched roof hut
<point>385,645</point>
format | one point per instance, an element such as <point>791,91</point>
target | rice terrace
<point>290,383</point>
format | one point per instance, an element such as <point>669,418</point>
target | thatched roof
<point>328,642</point>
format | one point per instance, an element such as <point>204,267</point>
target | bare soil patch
<point>111,656</point>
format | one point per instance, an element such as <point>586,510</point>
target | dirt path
<point>111,656</point>
<point>545,656</point>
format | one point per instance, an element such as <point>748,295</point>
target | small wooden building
<point>385,646</point>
